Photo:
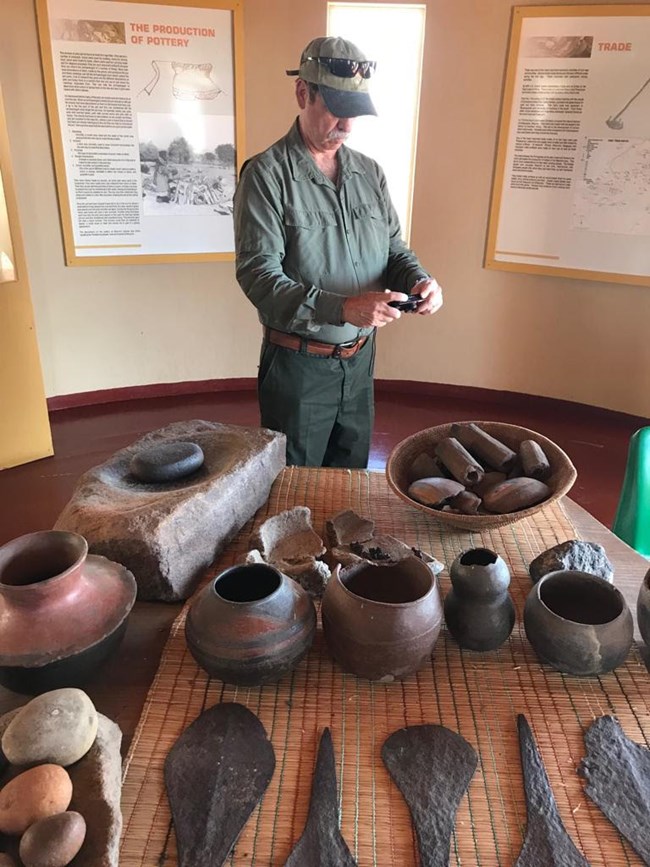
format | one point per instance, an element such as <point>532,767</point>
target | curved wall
<point>108,327</point>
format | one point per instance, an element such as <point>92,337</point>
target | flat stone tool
<point>547,843</point>
<point>215,775</point>
<point>432,767</point>
<point>321,844</point>
<point>617,771</point>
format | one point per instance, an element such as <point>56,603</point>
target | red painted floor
<point>32,496</point>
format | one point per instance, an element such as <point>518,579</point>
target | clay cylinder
<point>459,462</point>
<point>495,453</point>
<point>534,462</point>
<point>382,622</point>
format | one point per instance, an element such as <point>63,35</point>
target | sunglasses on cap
<point>343,68</point>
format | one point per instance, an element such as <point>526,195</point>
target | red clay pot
<point>381,622</point>
<point>251,625</point>
<point>62,610</point>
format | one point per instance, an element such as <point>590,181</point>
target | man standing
<point>318,244</point>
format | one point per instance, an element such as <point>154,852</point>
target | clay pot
<point>62,610</point>
<point>251,625</point>
<point>381,622</point>
<point>578,623</point>
<point>643,609</point>
<point>478,609</point>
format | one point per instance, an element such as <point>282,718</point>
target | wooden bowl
<point>400,460</point>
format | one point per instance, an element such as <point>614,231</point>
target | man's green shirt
<point>304,244</point>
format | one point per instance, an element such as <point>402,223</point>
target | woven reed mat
<point>477,695</point>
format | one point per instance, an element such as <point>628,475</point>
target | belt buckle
<point>340,346</point>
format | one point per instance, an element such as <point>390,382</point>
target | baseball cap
<point>341,71</point>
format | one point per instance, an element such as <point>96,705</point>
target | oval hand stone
<point>58,727</point>
<point>35,794</point>
<point>166,462</point>
<point>53,842</point>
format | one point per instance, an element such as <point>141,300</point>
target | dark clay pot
<point>578,623</point>
<point>62,610</point>
<point>643,609</point>
<point>381,622</point>
<point>478,609</point>
<point>251,625</point>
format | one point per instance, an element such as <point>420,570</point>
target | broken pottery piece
<point>168,533</point>
<point>321,842</point>
<point>215,775</point>
<point>348,527</point>
<point>382,549</point>
<point>546,841</point>
<point>290,537</point>
<point>617,772</point>
<point>432,767</point>
<point>289,543</point>
<point>576,555</point>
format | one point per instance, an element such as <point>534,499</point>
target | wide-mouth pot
<point>251,582</point>
<point>579,598</point>
<point>403,585</point>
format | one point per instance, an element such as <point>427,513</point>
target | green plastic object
<point>632,521</point>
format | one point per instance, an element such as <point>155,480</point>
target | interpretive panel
<point>144,102</point>
<point>572,184</point>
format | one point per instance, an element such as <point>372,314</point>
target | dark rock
<point>53,841</point>
<point>432,767</point>
<point>215,775</point>
<point>321,842</point>
<point>617,772</point>
<point>167,534</point>
<point>546,842</point>
<point>575,555</point>
<point>167,462</point>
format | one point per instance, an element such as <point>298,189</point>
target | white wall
<point>108,327</point>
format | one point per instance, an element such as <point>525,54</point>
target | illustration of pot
<point>190,80</point>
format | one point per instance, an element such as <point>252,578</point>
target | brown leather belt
<point>313,347</point>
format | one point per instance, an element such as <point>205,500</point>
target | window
<point>393,35</point>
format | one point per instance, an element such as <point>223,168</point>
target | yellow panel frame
<point>236,7</point>
<point>520,13</point>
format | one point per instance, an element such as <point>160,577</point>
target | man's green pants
<point>325,406</point>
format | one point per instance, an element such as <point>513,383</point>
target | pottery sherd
<point>53,842</point>
<point>35,794</point>
<point>58,727</point>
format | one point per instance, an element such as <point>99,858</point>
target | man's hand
<point>431,293</point>
<point>371,309</point>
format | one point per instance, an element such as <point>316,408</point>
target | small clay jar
<point>478,609</point>
<point>643,609</point>
<point>578,623</point>
<point>381,622</point>
<point>63,611</point>
<point>250,625</point>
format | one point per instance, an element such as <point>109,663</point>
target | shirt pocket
<point>298,218</point>
<point>368,211</point>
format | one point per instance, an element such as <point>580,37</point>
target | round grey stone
<point>58,727</point>
<point>167,462</point>
<point>576,555</point>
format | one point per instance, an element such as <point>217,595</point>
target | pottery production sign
<point>572,179</point>
<point>143,101</point>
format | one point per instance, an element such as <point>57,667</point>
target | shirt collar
<point>303,167</point>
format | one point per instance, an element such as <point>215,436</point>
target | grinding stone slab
<point>547,843</point>
<point>215,775</point>
<point>321,844</point>
<point>432,767</point>
<point>617,772</point>
<point>168,534</point>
